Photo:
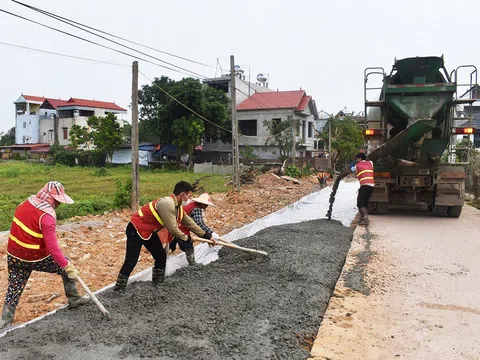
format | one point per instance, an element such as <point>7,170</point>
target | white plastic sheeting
<point>310,207</point>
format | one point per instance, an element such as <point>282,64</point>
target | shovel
<point>229,245</point>
<point>93,297</point>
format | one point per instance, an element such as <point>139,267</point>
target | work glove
<point>215,236</point>
<point>71,271</point>
<point>173,245</point>
<point>207,235</point>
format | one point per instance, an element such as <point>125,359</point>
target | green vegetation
<point>93,194</point>
<point>293,171</point>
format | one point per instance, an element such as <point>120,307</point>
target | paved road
<point>410,289</point>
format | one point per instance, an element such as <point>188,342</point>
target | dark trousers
<point>184,245</point>
<point>134,245</point>
<point>364,194</point>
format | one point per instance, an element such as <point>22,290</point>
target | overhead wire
<point>63,55</point>
<point>90,41</point>
<point>81,27</point>
<point>117,37</point>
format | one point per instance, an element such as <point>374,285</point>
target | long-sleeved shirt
<point>49,233</point>
<point>168,209</point>
<point>197,216</point>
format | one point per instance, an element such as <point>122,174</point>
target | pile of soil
<point>242,306</point>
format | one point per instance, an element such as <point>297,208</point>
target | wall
<point>68,122</point>
<point>209,168</point>
<point>46,128</point>
<point>29,134</point>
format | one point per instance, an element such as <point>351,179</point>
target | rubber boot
<point>8,314</point>
<point>158,276</point>
<point>364,220</point>
<point>190,255</point>
<point>74,299</point>
<point>121,283</point>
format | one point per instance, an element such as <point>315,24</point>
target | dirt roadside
<point>407,291</point>
<point>96,244</point>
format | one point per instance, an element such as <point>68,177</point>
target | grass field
<point>92,189</point>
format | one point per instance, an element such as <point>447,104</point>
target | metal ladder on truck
<point>370,104</point>
<point>466,102</point>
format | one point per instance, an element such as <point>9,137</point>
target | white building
<point>277,105</point>
<point>36,117</point>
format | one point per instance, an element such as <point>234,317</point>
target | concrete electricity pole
<point>294,140</point>
<point>235,152</point>
<point>135,170</point>
<point>330,145</point>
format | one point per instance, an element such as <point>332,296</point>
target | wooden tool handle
<point>93,297</point>
<point>229,245</point>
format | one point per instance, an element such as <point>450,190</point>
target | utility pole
<point>235,152</point>
<point>134,141</point>
<point>294,140</point>
<point>330,144</point>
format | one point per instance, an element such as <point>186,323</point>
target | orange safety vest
<point>147,220</point>
<point>187,210</point>
<point>25,240</point>
<point>364,172</point>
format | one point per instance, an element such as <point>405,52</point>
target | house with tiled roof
<point>278,106</point>
<point>40,119</point>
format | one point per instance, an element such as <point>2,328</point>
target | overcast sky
<point>317,45</point>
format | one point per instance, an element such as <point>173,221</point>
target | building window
<point>50,134</point>
<point>276,121</point>
<point>476,140</point>
<point>24,124</point>
<point>65,114</point>
<point>87,113</point>
<point>310,129</point>
<point>65,133</point>
<point>304,126</point>
<point>248,127</point>
<point>315,144</point>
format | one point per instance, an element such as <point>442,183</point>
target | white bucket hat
<point>204,199</point>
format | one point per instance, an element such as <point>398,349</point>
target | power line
<point>185,106</point>
<point>90,41</point>
<point>115,36</point>
<point>63,55</point>
<point>81,27</point>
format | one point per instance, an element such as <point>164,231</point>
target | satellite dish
<point>261,78</point>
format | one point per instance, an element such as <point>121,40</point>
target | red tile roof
<point>92,104</point>
<point>34,98</point>
<point>296,99</point>
<point>56,102</point>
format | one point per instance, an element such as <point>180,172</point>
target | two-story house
<point>279,106</point>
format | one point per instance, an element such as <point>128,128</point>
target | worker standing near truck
<point>166,212</point>
<point>363,169</point>
<point>33,246</point>
<point>195,210</point>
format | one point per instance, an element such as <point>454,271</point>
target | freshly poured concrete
<point>242,306</point>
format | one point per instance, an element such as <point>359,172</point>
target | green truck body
<point>408,129</point>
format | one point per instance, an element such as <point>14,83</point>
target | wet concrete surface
<point>242,306</point>
<point>355,277</point>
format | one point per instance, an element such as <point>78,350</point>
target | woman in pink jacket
<point>32,245</point>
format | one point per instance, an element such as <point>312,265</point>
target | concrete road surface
<point>410,289</point>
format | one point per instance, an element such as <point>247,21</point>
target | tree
<point>79,136</point>
<point>347,139</point>
<point>107,135</point>
<point>467,148</point>
<point>127,130</point>
<point>281,135</point>
<point>8,138</point>
<point>159,113</point>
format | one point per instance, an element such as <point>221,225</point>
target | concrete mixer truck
<point>408,128</point>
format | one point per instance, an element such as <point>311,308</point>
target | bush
<point>83,158</point>
<point>83,207</point>
<point>307,170</point>
<point>123,195</point>
<point>100,172</point>
<point>293,171</point>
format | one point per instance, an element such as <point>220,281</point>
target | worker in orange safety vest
<point>363,170</point>
<point>33,246</point>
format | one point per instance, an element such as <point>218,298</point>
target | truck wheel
<point>440,210</point>
<point>382,208</point>
<point>454,211</point>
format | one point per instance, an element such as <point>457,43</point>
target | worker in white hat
<point>194,209</point>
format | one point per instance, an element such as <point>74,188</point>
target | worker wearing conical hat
<point>33,246</point>
<point>195,210</point>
